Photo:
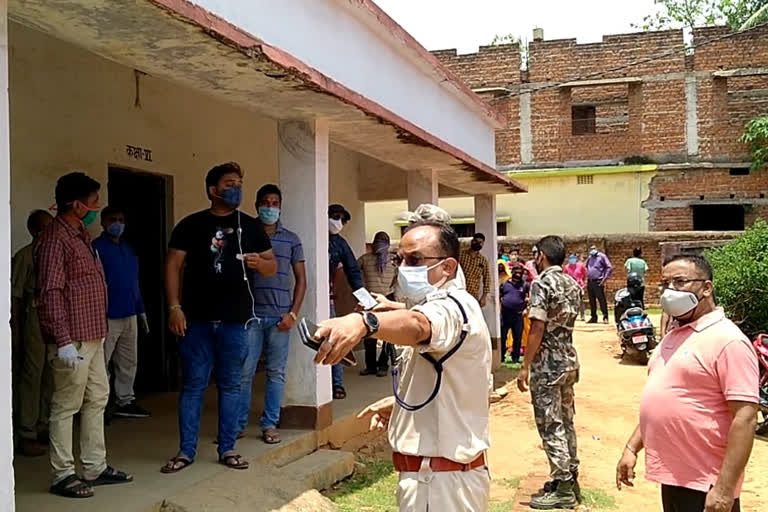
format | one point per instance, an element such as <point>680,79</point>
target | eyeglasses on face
<point>677,283</point>
<point>413,261</point>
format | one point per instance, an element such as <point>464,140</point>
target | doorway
<point>145,199</point>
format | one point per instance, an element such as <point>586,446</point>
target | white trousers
<point>444,491</point>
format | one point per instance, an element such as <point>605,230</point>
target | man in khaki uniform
<point>439,434</point>
<point>31,387</point>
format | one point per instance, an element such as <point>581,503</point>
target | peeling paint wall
<point>72,110</point>
<point>328,37</point>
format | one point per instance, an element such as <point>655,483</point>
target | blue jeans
<point>512,322</point>
<point>263,335</point>
<point>211,346</point>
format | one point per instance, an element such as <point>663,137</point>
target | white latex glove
<point>144,323</point>
<point>69,355</point>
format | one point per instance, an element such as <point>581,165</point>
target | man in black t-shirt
<point>215,251</point>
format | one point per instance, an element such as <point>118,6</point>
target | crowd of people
<point>77,311</point>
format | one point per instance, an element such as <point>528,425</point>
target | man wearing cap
<point>438,427</point>
<point>339,252</point>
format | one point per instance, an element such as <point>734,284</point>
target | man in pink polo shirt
<point>699,405</point>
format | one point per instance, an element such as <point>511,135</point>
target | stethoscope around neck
<point>437,364</point>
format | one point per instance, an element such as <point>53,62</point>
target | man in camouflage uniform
<point>552,365</point>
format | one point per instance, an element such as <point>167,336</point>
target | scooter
<point>761,347</point>
<point>635,329</point>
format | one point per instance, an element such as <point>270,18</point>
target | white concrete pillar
<point>303,159</point>
<point>485,223</point>
<point>6,429</point>
<point>526,131</point>
<point>691,115</point>
<point>422,188</point>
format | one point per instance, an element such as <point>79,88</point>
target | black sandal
<point>110,476</point>
<point>339,393</point>
<point>72,487</point>
<point>233,461</point>
<point>173,465</point>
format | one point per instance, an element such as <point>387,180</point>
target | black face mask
<point>476,246</point>
<point>517,277</point>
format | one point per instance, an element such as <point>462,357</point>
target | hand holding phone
<point>307,331</point>
<point>365,298</point>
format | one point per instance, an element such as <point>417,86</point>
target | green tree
<point>697,13</point>
<point>741,287</point>
<point>756,138</point>
<point>500,39</point>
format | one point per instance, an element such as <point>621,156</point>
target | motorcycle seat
<point>634,311</point>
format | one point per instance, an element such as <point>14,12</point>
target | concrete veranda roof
<point>179,41</point>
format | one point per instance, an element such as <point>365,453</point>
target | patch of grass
<point>512,366</point>
<point>653,311</point>
<point>370,489</point>
<point>510,483</point>
<point>598,499</point>
<point>501,506</point>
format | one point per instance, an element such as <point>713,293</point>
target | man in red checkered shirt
<point>73,319</point>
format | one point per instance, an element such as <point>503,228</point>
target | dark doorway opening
<point>146,201</point>
<point>718,217</point>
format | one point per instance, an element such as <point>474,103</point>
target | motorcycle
<point>634,328</point>
<point>761,347</point>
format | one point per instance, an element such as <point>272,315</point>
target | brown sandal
<point>233,461</point>
<point>176,464</point>
<point>271,436</point>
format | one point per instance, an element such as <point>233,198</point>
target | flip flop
<point>171,466</point>
<point>72,487</point>
<point>233,461</point>
<point>110,476</point>
<point>339,393</point>
<point>271,436</point>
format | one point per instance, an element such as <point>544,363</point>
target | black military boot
<point>562,497</point>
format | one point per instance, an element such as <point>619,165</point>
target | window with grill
<point>585,180</point>
<point>583,119</point>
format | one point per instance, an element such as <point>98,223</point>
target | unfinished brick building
<point>637,99</point>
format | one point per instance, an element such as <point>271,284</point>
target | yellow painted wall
<point>612,204</point>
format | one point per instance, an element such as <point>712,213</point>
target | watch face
<point>372,321</point>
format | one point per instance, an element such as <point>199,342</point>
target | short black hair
<point>110,210</point>
<point>553,247</point>
<point>480,236</point>
<point>700,262</point>
<point>449,240</point>
<point>75,186</point>
<point>637,252</point>
<point>215,174</point>
<point>33,221</point>
<point>266,190</point>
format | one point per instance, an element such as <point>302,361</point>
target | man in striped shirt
<point>73,319</point>
<point>276,307</point>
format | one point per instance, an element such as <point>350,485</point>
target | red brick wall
<point>491,66</point>
<point>619,247</point>
<point>640,120</point>
<point>700,186</point>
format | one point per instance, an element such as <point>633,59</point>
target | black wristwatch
<point>371,322</point>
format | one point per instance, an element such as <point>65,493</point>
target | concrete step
<point>322,469</point>
<point>291,449</point>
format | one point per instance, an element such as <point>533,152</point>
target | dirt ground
<point>606,412</point>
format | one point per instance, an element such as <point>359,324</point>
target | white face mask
<point>414,282</point>
<point>676,303</point>
<point>335,226</point>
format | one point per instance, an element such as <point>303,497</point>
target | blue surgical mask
<point>593,252</point>
<point>414,282</point>
<point>116,229</point>
<point>572,260</point>
<point>268,214</point>
<point>232,196</point>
